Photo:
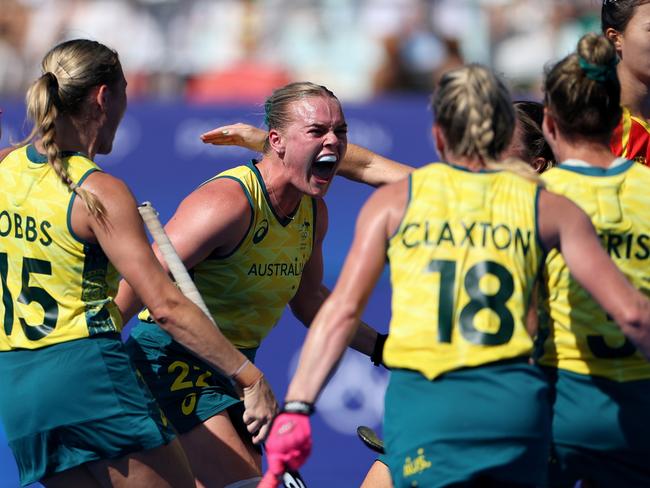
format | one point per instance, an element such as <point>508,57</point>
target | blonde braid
<point>70,70</point>
<point>479,121</point>
<point>474,111</point>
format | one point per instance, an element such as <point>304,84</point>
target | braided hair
<point>70,70</point>
<point>474,111</point>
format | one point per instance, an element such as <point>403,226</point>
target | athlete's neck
<point>472,164</point>
<point>635,94</point>
<point>284,196</point>
<point>69,138</point>
<point>596,153</point>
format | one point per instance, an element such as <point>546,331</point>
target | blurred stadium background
<point>195,64</point>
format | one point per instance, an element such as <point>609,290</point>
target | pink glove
<point>269,481</point>
<point>289,443</point>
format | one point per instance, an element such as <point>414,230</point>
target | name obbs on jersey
<point>24,227</point>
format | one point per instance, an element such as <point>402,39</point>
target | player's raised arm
<point>359,164</point>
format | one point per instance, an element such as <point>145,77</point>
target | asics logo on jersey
<point>261,232</point>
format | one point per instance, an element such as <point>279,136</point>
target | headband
<point>599,72</point>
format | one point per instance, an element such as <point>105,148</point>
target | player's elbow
<point>165,311</point>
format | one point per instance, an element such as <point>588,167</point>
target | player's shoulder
<point>217,198</point>
<point>5,152</point>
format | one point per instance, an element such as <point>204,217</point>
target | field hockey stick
<point>176,266</point>
<point>371,439</point>
<point>291,479</point>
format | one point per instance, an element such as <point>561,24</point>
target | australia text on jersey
<point>276,269</point>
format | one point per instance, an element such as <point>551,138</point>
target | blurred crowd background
<point>206,51</point>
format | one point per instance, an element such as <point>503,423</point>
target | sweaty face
<point>314,143</point>
<point>635,44</point>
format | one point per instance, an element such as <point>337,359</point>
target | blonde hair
<point>70,70</point>
<point>582,91</point>
<point>276,107</point>
<point>472,106</point>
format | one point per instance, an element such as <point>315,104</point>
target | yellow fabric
<point>581,338</point>
<point>247,291</point>
<point>55,287</point>
<point>462,264</point>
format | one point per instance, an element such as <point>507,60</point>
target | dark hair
<point>616,14</point>
<point>530,116</point>
<point>582,90</point>
<point>276,114</point>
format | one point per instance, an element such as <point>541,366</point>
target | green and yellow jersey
<point>55,286</point>
<point>577,334</point>
<point>247,290</point>
<point>463,262</point>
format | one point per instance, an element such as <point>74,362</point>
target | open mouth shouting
<point>324,167</point>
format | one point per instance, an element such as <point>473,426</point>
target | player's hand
<point>269,481</point>
<point>260,408</point>
<point>239,134</point>
<point>288,445</point>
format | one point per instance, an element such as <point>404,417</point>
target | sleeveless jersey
<point>55,286</point>
<point>631,138</point>
<point>247,291</point>
<point>581,337</point>
<point>462,264</point>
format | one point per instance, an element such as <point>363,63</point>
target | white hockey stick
<point>291,479</point>
<point>176,266</point>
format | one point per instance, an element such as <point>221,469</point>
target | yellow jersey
<point>55,286</point>
<point>462,262</point>
<point>247,290</point>
<point>576,334</point>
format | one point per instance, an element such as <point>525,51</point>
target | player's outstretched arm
<point>334,326</point>
<point>125,243</point>
<point>238,134</point>
<point>359,164</point>
<point>565,226</point>
<point>365,166</point>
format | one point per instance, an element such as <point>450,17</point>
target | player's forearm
<point>127,301</point>
<point>364,340</point>
<point>306,309</point>
<point>326,340</point>
<point>361,164</point>
<point>189,326</point>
